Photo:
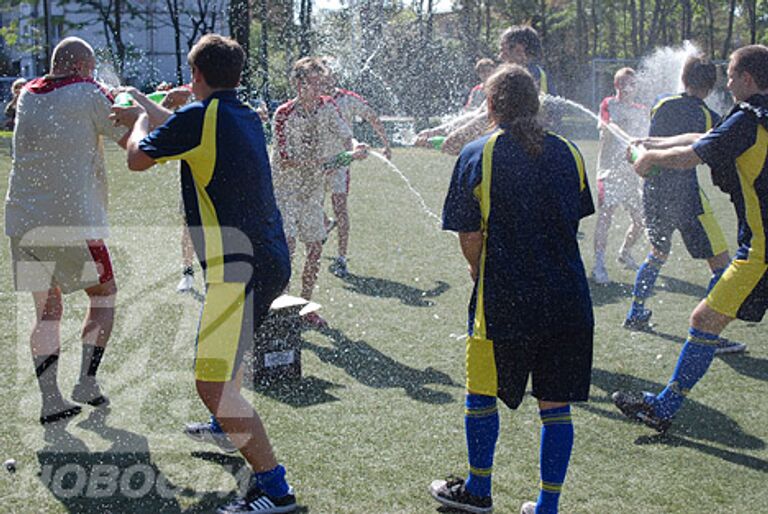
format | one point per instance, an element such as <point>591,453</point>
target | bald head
<point>73,56</point>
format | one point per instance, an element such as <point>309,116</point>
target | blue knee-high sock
<point>481,424</point>
<point>694,360</point>
<point>555,453</point>
<point>715,277</point>
<point>272,482</point>
<point>645,280</point>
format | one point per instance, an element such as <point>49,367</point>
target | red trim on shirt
<point>43,85</point>
<point>346,92</point>
<point>478,87</point>
<point>281,116</point>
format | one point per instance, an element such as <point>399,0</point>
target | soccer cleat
<point>89,393</point>
<point>53,411</point>
<point>206,433</point>
<point>528,508</point>
<point>339,267</point>
<point>314,320</point>
<point>726,346</point>
<point>187,281</point>
<point>640,321</point>
<point>625,258</point>
<point>600,275</point>
<point>257,501</point>
<point>634,406</point>
<point>453,493</point>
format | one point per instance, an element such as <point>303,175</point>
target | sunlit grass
<point>379,412</point>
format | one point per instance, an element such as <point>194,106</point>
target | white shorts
<point>303,216</point>
<point>611,193</point>
<point>337,181</point>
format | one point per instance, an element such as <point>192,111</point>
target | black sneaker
<point>257,501</point>
<point>633,406</point>
<point>89,393</point>
<point>640,321</point>
<point>452,493</point>
<point>56,410</point>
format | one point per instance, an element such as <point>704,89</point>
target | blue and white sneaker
<point>257,501</point>
<point>208,433</point>
<point>726,346</point>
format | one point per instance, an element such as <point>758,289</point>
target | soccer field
<point>379,411</point>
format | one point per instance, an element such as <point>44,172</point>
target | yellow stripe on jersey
<point>578,159</point>
<point>662,102</point>
<point>711,227</point>
<point>221,324</point>
<point>202,161</point>
<point>751,165</point>
<point>480,360</point>
<point>543,82</point>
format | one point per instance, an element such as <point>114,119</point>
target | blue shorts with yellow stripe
<point>559,363</point>
<point>700,231</point>
<point>232,311</point>
<point>742,291</point>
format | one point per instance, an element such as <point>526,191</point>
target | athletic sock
<point>600,259</point>
<point>644,282</point>
<point>46,370</point>
<point>90,361</point>
<point>272,482</point>
<point>481,425</point>
<point>715,277</point>
<point>694,360</point>
<point>555,453</point>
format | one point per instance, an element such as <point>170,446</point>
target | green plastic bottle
<point>436,142</point>
<point>635,152</point>
<point>124,100</point>
<point>339,160</point>
<point>157,96</point>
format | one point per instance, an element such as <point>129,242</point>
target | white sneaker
<point>600,275</point>
<point>625,258</point>
<point>726,346</point>
<point>528,508</point>
<point>204,433</point>
<point>186,283</point>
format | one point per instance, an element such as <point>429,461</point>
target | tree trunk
<point>633,16</point>
<point>239,28</point>
<point>729,33</point>
<point>710,27</point>
<point>173,11</point>
<point>264,54</point>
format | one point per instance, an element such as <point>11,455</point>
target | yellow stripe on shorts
<point>481,367</point>
<point>734,287</point>
<point>219,334</point>
<point>712,227</point>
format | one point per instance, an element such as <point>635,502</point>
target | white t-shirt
<point>352,106</point>
<point>317,135</point>
<point>58,181</point>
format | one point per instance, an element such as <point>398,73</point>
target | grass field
<point>379,412</point>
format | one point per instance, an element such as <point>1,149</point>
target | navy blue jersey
<point>677,190</point>
<point>534,276</point>
<point>226,185</point>
<point>737,153</point>
<point>542,79</point>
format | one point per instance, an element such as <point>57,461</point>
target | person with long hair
<point>516,198</point>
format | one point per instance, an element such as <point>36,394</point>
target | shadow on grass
<point>675,285</point>
<point>679,442</point>
<point>695,420</point>
<point>613,292</point>
<point>122,479</point>
<point>385,288</point>
<point>304,392</point>
<point>374,369</point>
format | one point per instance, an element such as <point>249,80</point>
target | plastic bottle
<point>635,152</point>
<point>437,141</point>
<point>157,96</point>
<point>124,100</point>
<point>339,160</point>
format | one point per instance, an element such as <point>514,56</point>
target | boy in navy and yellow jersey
<point>673,199</point>
<point>237,232</point>
<point>519,44</point>
<point>737,152</point>
<point>516,198</point>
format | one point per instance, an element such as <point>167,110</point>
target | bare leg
<point>187,250</point>
<point>311,268</point>
<point>719,261</point>
<point>240,422</point>
<point>634,231</point>
<point>339,201</point>
<point>603,225</point>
